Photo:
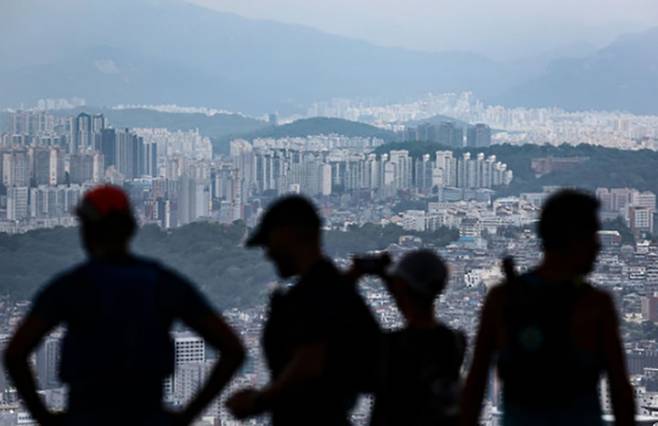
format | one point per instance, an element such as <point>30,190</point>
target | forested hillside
<point>210,254</point>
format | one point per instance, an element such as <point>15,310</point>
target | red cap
<point>104,200</point>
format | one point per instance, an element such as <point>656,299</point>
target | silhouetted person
<point>118,310</point>
<point>319,332</point>
<point>419,365</point>
<point>551,334</point>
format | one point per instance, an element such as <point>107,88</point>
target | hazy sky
<point>498,28</point>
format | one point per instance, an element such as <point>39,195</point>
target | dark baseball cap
<point>423,270</point>
<point>292,210</point>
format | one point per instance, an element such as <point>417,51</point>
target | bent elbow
<point>236,354</point>
<point>240,355</point>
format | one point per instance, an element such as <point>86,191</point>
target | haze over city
<point>433,128</point>
<point>283,56</point>
<point>508,29</point>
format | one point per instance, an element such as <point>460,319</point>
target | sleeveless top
<point>546,378</point>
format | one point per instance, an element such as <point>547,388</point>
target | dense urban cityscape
<point>174,177</point>
<point>328,213</point>
<point>513,125</point>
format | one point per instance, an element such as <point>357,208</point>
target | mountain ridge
<point>321,126</point>
<point>305,127</point>
<point>184,52</point>
<point>618,77</point>
<point>157,51</point>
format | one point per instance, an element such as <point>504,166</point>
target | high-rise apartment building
<point>650,307</point>
<point>313,176</point>
<point>644,199</point>
<point>242,155</point>
<point>86,167</point>
<point>402,170</point>
<point>47,165</point>
<point>109,146</point>
<point>47,201</point>
<point>47,363</point>
<point>16,170</point>
<point>129,152</point>
<point>640,219</point>
<point>446,133</point>
<point>478,136</point>
<point>17,203</point>
<point>449,134</point>
<point>81,135</point>
<point>189,350</point>
<point>423,174</point>
<point>193,199</point>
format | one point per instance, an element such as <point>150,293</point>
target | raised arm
<point>27,337</point>
<point>621,392</point>
<point>368,265</point>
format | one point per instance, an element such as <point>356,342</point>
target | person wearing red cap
<point>118,310</point>
<point>107,221</point>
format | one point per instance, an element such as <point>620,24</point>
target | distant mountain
<point>321,126</point>
<point>307,127</point>
<point>534,66</point>
<point>169,51</point>
<point>621,76</point>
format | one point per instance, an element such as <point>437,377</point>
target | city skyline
<point>438,190</point>
<point>436,125</point>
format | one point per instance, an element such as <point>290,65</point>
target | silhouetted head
<point>568,229</point>
<point>107,221</point>
<point>416,281</point>
<point>290,234</point>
